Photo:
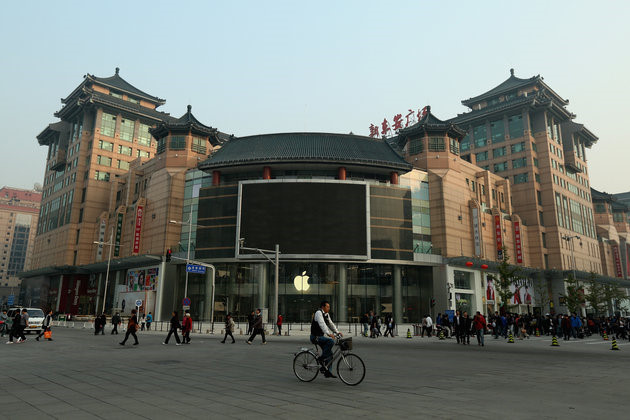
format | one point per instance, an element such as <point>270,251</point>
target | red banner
<point>136,238</point>
<point>517,242</point>
<point>617,261</point>
<point>498,236</point>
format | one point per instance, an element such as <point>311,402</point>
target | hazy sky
<point>251,67</point>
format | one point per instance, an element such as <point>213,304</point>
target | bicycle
<point>350,367</point>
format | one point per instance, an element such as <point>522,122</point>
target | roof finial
<point>428,109</point>
<point>511,72</point>
<point>189,108</point>
<point>117,70</point>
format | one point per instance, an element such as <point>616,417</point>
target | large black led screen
<point>305,218</point>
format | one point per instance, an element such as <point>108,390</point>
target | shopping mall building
<point>411,224</point>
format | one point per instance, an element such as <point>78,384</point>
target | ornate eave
<point>430,124</point>
<point>187,123</point>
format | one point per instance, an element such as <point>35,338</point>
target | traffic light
<point>168,255</point>
<point>432,302</point>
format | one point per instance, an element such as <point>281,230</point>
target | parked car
<point>35,319</point>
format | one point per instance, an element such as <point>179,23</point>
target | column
<point>397,295</point>
<point>266,172</point>
<point>394,178</point>
<point>261,277</point>
<point>216,178</point>
<point>98,305</point>
<point>342,294</point>
<point>208,298</point>
<point>342,173</point>
<point>157,316</point>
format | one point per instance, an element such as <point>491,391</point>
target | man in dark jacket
<point>115,323</point>
<point>15,328</point>
<point>466,327</point>
<point>458,322</point>
<point>175,325</point>
<point>257,328</point>
<point>132,327</point>
<point>250,320</point>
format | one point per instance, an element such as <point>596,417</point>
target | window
<point>124,150</point>
<point>500,167</point>
<point>600,208</point>
<point>198,145</point>
<point>481,156</point>
<point>144,154</point>
<point>161,146</point>
<point>541,218</point>
<point>104,160</point>
<point>499,152</point>
<point>461,279</point>
<point>415,146</point>
<point>480,135</point>
<point>518,147</point>
<point>105,145</point>
<point>520,178</point>
<point>497,130</point>
<point>108,124</point>
<point>454,146</point>
<point>123,164</point>
<point>178,143</point>
<point>436,144</point>
<point>101,176</point>
<point>534,147</point>
<point>536,162</point>
<point>144,137</point>
<point>515,126</point>
<point>126,129</point>
<point>115,94</point>
<point>544,239</point>
<point>465,143</point>
<point>519,163</point>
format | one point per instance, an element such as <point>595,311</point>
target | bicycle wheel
<point>305,366</point>
<point>351,369</point>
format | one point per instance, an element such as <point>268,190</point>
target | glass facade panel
<point>497,129</point>
<point>480,135</point>
<point>515,126</point>
<point>144,137</point>
<point>127,128</point>
<point>465,143</point>
<point>108,124</point>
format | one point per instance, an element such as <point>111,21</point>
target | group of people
<point>372,324</point>
<point>462,327</point>
<point>20,324</point>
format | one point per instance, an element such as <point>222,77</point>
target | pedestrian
<point>374,331</point>
<point>97,325</point>
<point>566,327</point>
<point>149,321</point>
<point>15,328</point>
<point>103,323</point>
<point>187,328</point>
<point>229,328</point>
<point>142,322</point>
<point>427,325</point>
<point>458,322</point>
<point>389,323</point>
<point>4,322</point>
<point>46,326</point>
<point>479,324</point>
<point>132,327</point>
<point>116,321</point>
<point>365,322</point>
<point>466,327</point>
<point>250,321</point>
<point>23,326</point>
<point>279,324</point>
<point>257,328</point>
<point>174,326</point>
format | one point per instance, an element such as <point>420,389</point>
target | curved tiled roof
<point>306,147</point>
<point>186,122</point>
<point>119,83</point>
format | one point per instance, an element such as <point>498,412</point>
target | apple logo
<point>301,282</point>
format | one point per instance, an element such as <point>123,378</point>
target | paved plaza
<point>83,376</point>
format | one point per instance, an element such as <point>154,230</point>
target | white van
<point>35,318</point>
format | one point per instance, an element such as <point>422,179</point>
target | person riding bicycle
<point>323,332</point>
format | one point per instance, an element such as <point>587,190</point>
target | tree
<point>541,290</point>
<point>595,296</point>
<point>574,296</point>
<point>507,275</point>
<point>612,294</point>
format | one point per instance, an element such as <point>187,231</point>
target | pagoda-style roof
<point>430,124</point>
<point>119,84</point>
<point>51,133</point>
<point>300,148</point>
<point>187,123</point>
<point>570,127</point>
<point>601,196</point>
<point>512,84</point>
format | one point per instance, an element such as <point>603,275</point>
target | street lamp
<point>276,264</point>
<point>571,238</point>
<point>188,247</point>
<point>109,260</point>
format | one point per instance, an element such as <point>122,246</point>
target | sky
<point>253,67</point>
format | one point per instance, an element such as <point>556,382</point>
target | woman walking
<point>132,327</point>
<point>186,328</point>
<point>229,328</point>
<point>175,325</point>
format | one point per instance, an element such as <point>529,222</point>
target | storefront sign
<point>138,231</point>
<point>517,242</point>
<point>397,125</point>
<point>499,236</point>
<point>119,224</point>
<point>617,261</point>
<point>476,231</point>
<point>101,239</point>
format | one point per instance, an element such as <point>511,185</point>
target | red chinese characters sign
<point>617,261</point>
<point>136,237</point>
<point>517,242</point>
<point>498,236</point>
<point>387,129</point>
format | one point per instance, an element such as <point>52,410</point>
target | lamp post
<point>188,247</point>
<point>571,238</point>
<point>276,263</point>
<point>109,260</point>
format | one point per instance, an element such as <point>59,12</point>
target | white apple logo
<point>301,282</point>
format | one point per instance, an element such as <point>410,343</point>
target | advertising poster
<point>490,290</point>
<point>522,292</point>
<point>142,279</point>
